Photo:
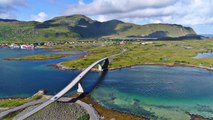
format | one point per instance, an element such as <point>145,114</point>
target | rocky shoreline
<point>105,113</point>
<point>198,117</point>
<point>168,65</point>
<point>62,67</point>
<point>109,114</point>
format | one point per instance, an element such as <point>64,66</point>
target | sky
<point>197,14</point>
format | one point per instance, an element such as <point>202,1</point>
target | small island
<point>40,57</point>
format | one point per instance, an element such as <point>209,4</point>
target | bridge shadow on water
<point>101,77</point>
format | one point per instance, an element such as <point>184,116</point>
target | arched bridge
<point>102,65</point>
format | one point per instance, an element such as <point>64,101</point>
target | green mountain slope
<point>169,30</point>
<point>75,27</point>
<point>17,31</point>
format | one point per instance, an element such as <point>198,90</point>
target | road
<point>122,51</point>
<point>90,110</point>
<point>4,113</point>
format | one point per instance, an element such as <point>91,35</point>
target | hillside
<point>66,28</point>
<point>154,30</point>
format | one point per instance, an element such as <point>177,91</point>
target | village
<point>17,46</point>
<point>74,44</point>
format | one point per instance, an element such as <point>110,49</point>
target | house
<point>24,46</point>
<point>4,46</point>
<point>13,45</point>
<point>122,42</point>
<point>146,43</point>
<point>211,67</point>
<point>50,43</point>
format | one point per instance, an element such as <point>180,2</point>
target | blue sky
<point>50,7</point>
<point>193,13</point>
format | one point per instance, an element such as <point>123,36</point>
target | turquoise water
<point>157,92</point>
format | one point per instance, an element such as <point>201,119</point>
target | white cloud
<point>193,12</point>
<point>13,2</point>
<point>186,12</point>
<point>8,7</point>
<point>6,15</point>
<point>42,16</point>
<point>114,6</point>
<point>81,2</point>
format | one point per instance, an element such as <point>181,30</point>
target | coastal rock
<point>57,111</point>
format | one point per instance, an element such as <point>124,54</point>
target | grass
<point>84,117</point>
<point>40,57</point>
<point>18,101</point>
<point>174,51</point>
<point>171,30</point>
<point>12,115</point>
<point>94,54</point>
<point>160,52</point>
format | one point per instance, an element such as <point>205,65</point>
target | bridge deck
<point>65,90</point>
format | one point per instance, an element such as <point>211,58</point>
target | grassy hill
<point>67,28</point>
<point>170,30</point>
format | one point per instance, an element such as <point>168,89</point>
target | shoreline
<point>108,113</point>
<point>62,67</point>
<point>197,117</point>
<point>48,58</point>
<point>165,64</point>
<point>54,56</point>
<point>90,101</point>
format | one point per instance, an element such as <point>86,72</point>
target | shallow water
<point>158,92</point>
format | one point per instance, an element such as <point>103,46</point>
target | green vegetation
<point>75,27</point>
<point>84,117</point>
<point>17,101</point>
<point>157,52</point>
<point>94,53</point>
<point>170,30</point>
<point>12,115</point>
<point>40,57</point>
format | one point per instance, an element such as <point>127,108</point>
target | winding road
<point>7,112</point>
<point>90,110</point>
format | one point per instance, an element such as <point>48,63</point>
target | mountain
<point>66,28</point>
<point>156,30</point>
<point>8,20</point>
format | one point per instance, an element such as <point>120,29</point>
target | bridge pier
<point>100,67</point>
<point>104,66</point>
<point>80,88</point>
